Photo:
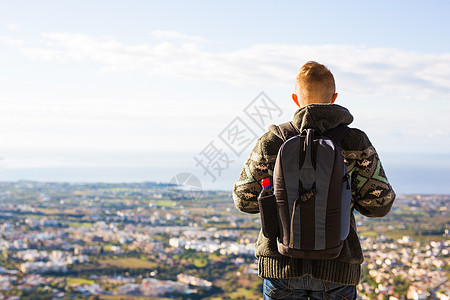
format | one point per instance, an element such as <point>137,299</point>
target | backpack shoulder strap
<point>287,130</point>
<point>337,134</point>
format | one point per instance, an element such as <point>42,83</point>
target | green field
<point>398,234</point>
<point>127,297</point>
<point>166,203</point>
<point>200,262</point>
<point>79,224</point>
<point>369,233</point>
<point>127,262</point>
<point>78,280</point>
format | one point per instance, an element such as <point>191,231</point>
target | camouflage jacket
<point>372,194</point>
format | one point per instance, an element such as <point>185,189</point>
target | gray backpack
<point>313,193</point>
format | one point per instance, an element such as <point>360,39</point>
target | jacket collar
<point>321,117</point>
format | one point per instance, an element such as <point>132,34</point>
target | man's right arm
<point>372,194</point>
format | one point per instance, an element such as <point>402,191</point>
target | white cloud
<point>12,26</point>
<point>385,72</point>
<point>174,35</point>
<point>11,41</point>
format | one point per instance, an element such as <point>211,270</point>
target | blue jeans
<point>306,288</point>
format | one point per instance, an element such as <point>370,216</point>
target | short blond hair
<point>315,83</point>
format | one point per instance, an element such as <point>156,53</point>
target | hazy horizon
<point>424,176</point>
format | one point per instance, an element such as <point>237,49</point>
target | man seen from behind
<point>372,195</point>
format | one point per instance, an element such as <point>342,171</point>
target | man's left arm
<point>259,165</point>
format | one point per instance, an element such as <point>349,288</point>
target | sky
<point>147,90</point>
